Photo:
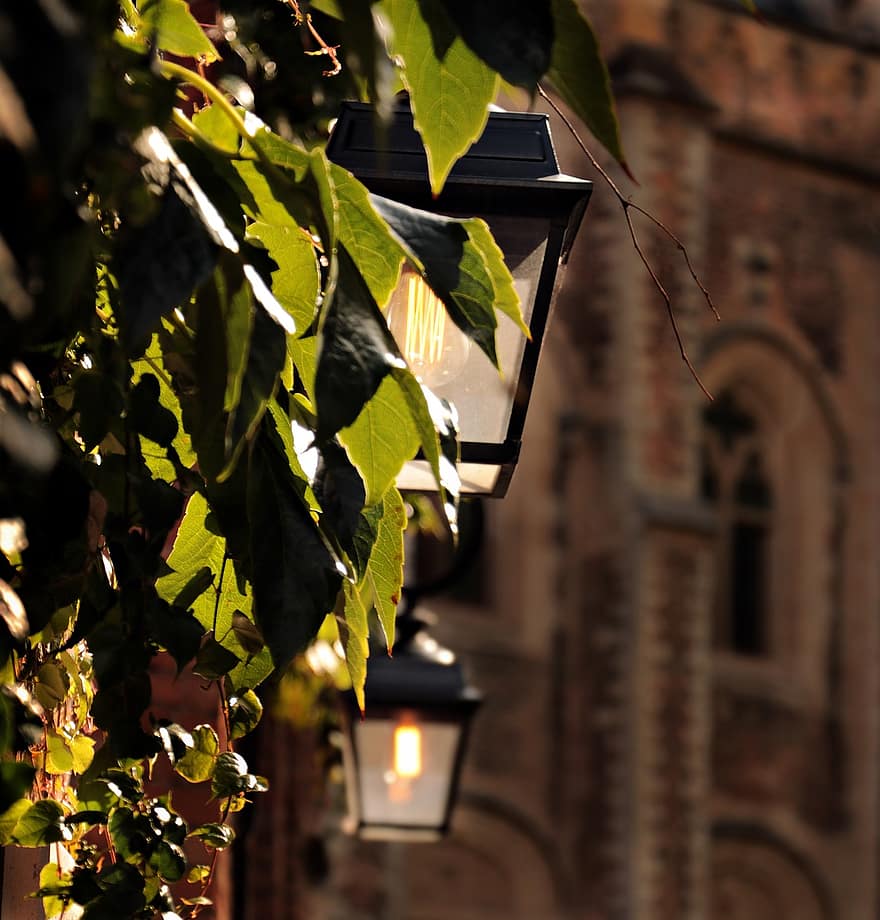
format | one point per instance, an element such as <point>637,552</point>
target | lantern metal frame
<point>424,680</point>
<point>510,171</point>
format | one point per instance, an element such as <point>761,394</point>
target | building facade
<point>677,625</point>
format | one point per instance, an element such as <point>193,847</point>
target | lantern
<point>510,177</point>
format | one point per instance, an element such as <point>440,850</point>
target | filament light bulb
<point>408,751</point>
<point>434,347</point>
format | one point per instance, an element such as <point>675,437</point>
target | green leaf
<point>245,712</point>
<point>266,357</point>
<point>438,429</point>
<point>384,576</point>
<point>168,860</point>
<point>382,439</point>
<point>51,686</point>
<point>52,884</point>
<point>178,238</point>
<point>213,660</point>
<point>198,874</point>
<point>197,765</point>
<point>514,37</point>
<point>153,362</point>
<point>579,75</point>
<point>450,87</point>
<point>463,265</point>
<point>215,836</point>
<point>356,352</point>
<point>295,576</point>
<point>172,27</point>
<point>82,750</point>
<point>231,777</point>
<point>41,824</point>
<point>357,645</point>
<point>10,817</point>
<point>59,760</point>
<point>195,550</point>
<point>296,282</point>
<point>366,236</point>
<point>504,295</point>
<point>216,126</point>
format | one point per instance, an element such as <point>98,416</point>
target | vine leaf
<point>383,578</point>
<point>41,824</point>
<point>197,764</point>
<point>245,712</point>
<point>579,74</point>
<point>216,836</point>
<point>172,27</point>
<point>382,439</point>
<point>296,280</point>
<point>356,352</point>
<point>366,236</point>
<point>357,644</point>
<point>514,37</point>
<point>295,576</point>
<point>450,87</point>
<point>231,777</point>
<point>463,265</point>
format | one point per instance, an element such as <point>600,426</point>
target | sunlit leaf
<point>245,712</point>
<point>172,27</point>
<point>450,87</point>
<point>384,575</point>
<point>382,439</point>
<point>197,764</point>
<point>357,646</point>
<point>215,836</point>
<point>41,824</point>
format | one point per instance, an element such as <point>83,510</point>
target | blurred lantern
<point>510,177</point>
<point>403,759</point>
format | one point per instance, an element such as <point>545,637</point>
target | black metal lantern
<point>403,758</point>
<point>510,177</point>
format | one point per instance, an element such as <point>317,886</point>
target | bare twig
<point>323,48</point>
<point>627,205</point>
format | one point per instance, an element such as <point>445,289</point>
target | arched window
<point>734,481</point>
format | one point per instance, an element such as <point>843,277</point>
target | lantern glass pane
<point>414,790</point>
<point>476,478</point>
<point>484,400</point>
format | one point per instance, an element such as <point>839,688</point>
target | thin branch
<point>627,206</point>
<point>323,48</point>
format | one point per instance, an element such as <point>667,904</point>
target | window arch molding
<point>805,459</point>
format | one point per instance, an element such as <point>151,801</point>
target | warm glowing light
<point>408,751</point>
<point>434,347</point>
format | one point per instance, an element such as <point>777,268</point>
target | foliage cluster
<point>202,410</point>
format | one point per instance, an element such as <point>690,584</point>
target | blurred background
<point>673,614</point>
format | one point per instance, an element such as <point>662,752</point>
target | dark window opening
<point>733,481</point>
<point>747,590</point>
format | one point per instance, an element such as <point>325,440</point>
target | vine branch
<point>305,19</point>
<point>628,205</point>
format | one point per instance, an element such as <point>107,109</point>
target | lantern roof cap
<point>514,146</point>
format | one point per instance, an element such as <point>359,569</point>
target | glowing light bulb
<point>408,751</point>
<point>434,347</point>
